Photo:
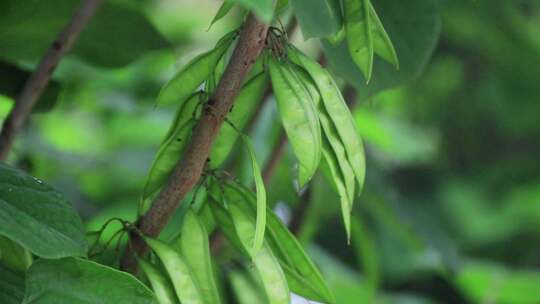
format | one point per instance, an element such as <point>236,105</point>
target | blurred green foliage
<point>451,206</point>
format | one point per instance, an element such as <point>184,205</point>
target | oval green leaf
<point>78,281</point>
<point>11,286</point>
<point>38,217</point>
<point>223,10</point>
<point>188,79</point>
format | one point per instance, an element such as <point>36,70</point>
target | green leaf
<point>239,225</point>
<point>226,224</point>
<point>272,276</point>
<point>299,118</point>
<point>13,79</point>
<point>120,33</point>
<point>38,217</point>
<point>300,286</point>
<point>78,281</point>
<point>244,226</point>
<point>183,280</point>
<point>338,149</point>
<point>11,286</point>
<point>244,106</point>
<point>318,18</point>
<point>193,74</point>
<point>331,164</point>
<point>266,264</point>
<point>359,36</point>
<point>337,37</point>
<point>414,38</point>
<point>482,282</point>
<point>194,246</point>
<point>381,41</point>
<point>13,256</point>
<point>160,283</point>
<point>222,11</point>
<point>340,118</point>
<point>264,9</point>
<point>301,265</point>
<point>281,6</point>
<point>261,196</point>
<point>171,149</point>
<point>245,290</point>
<point>366,254</point>
<point>295,262</point>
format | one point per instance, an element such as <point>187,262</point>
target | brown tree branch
<point>190,167</point>
<point>41,76</point>
<point>275,157</point>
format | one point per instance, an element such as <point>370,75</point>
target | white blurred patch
<point>296,299</point>
<point>283,211</point>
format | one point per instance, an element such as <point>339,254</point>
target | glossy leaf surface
<point>38,217</point>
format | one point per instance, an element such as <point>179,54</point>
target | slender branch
<point>35,85</point>
<point>190,167</point>
<point>299,214</point>
<point>290,30</point>
<point>275,157</point>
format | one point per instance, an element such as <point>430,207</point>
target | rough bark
<point>189,169</point>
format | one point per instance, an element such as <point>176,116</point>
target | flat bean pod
<point>160,284</point>
<point>194,246</point>
<point>260,223</point>
<point>266,264</point>
<point>272,276</point>
<point>299,118</point>
<point>381,41</point>
<point>333,168</point>
<point>281,240</point>
<point>225,223</point>
<point>339,113</point>
<point>245,290</point>
<point>329,129</point>
<point>182,278</point>
<point>359,36</point>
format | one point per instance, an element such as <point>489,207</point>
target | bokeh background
<point>451,208</point>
